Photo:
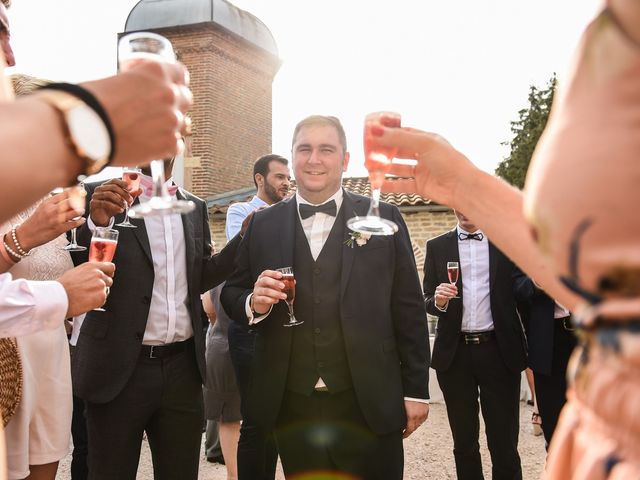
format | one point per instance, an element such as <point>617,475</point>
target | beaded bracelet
<point>17,243</point>
<point>13,253</point>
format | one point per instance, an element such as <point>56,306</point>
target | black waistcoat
<point>318,345</point>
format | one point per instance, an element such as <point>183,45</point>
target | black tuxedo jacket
<point>381,312</point>
<point>508,328</point>
<point>537,309</point>
<point>109,343</point>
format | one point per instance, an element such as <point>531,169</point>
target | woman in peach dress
<point>576,230</point>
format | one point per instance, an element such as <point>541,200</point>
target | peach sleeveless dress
<point>582,199</point>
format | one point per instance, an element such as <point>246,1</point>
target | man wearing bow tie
<point>140,364</point>
<point>342,388</point>
<point>479,349</point>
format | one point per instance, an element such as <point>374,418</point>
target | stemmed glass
<point>377,159</point>
<point>103,248</point>
<point>290,289</point>
<point>130,176</point>
<point>77,195</point>
<point>150,47</point>
<point>452,272</point>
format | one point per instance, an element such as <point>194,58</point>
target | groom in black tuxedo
<point>480,348</point>
<point>140,364</point>
<point>342,388</point>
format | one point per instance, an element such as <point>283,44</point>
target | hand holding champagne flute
<point>290,290</point>
<point>103,247</point>
<point>378,162</point>
<point>452,272</point>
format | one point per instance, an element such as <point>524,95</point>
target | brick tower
<point>232,58</point>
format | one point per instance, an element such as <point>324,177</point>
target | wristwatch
<point>84,130</point>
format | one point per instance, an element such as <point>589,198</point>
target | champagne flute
<point>377,159</point>
<point>103,248</point>
<point>77,196</point>
<point>130,176</point>
<point>151,47</point>
<point>290,289</point>
<point>452,272</point>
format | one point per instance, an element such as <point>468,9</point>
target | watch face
<point>89,132</point>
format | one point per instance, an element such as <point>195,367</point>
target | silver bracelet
<point>17,244</point>
<point>11,251</point>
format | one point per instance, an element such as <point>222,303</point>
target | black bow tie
<point>471,236</point>
<point>307,210</point>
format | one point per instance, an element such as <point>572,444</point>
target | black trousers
<point>478,370</point>
<point>164,398</point>
<point>551,390</point>
<point>79,469</point>
<point>257,453</point>
<point>326,434</point>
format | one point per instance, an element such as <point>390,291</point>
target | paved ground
<point>428,453</point>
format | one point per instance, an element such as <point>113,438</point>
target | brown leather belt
<point>167,350</point>
<point>476,338</point>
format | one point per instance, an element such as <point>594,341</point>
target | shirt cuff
<point>419,400</point>
<point>247,308</point>
<point>92,226</point>
<point>443,309</point>
<point>50,303</point>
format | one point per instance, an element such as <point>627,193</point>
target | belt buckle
<point>151,350</point>
<point>472,339</point>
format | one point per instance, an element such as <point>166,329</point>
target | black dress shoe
<point>217,459</point>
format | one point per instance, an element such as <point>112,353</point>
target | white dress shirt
<point>29,306</point>
<point>168,319</point>
<point>476,293</point>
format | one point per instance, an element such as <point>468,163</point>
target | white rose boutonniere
<point>359,238</point>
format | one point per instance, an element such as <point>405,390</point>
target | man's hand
<point>86,286</point>
<point>417,414</point>
<point>108,200</point>
<point>445,292</point>
<point>267,291</point>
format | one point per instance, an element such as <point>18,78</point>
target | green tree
<point>526,132</point>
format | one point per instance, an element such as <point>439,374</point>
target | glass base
<point>372,225</point>
<point>73,248</point>
<point>294,323</point>
<point>125,225</point>
<point>160,206</point>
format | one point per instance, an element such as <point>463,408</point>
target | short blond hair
<point>322,120</point>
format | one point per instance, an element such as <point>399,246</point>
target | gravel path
<point>428,453</point>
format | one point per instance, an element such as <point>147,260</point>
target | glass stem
<point>291,317</point>
<point>374,206</point>
<point>73,237</point>
<point>157,173</point>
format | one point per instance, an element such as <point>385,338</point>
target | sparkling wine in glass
<point>103,247</point>
<point>290,289</point>
<point>378,162</point>
<point>135,48</point>
<point>452,271</point>
<point>130,176</point>
<point>77,196</point>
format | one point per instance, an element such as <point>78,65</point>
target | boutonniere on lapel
<point>358,238</point>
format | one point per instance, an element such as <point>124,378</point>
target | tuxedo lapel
<point>141,235</point>
<point>189,237</point>
<point>287,232</point>
<point>351,206</point>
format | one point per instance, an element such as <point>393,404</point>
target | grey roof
<point>154,14</point>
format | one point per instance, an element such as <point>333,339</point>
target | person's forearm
<point>34,154</point>
<point>497,208</point>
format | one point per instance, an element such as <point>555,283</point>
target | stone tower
<point>232,58</point>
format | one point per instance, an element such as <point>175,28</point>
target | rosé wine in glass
<point>453,269</point>
<point>130,176</point>
<point>103,248</point>
<point>290,290</point>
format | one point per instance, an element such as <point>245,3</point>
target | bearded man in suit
<point>140,365</point>
<point>342,388</point>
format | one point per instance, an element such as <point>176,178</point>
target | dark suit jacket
<point>536,309</point>
<point>508,328</point>
<point>109,343</point>
<point>381,312</point>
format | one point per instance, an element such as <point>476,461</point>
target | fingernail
<point>376,130</point>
